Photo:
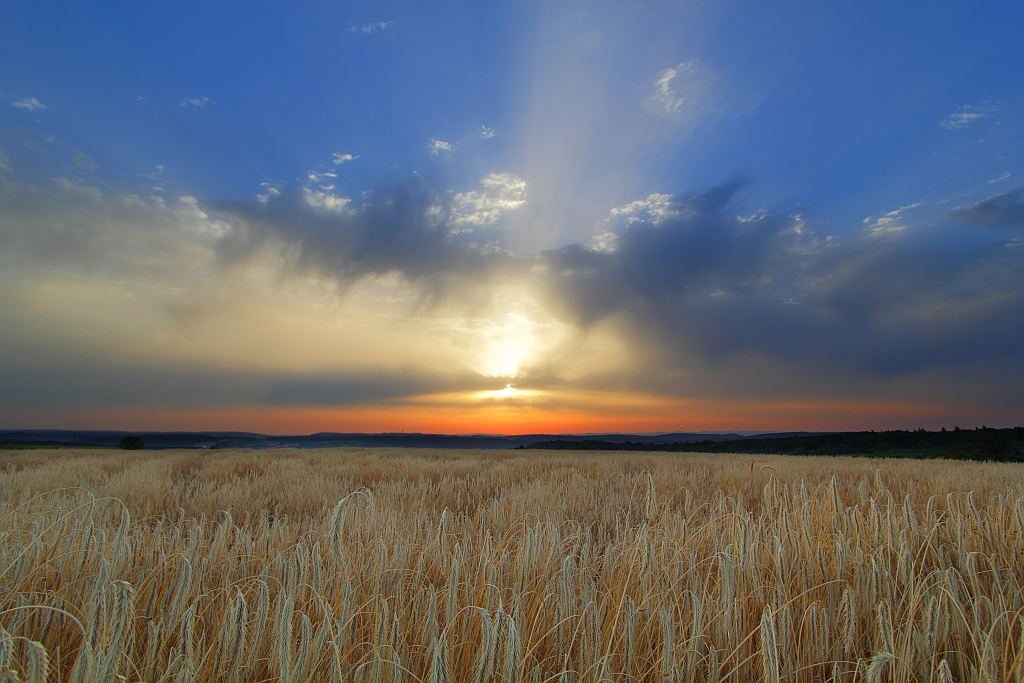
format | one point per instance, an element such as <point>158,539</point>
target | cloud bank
<point>717,285</point>
<point>307,297</point>
<point>1002,210</point>
<point>407,229</point>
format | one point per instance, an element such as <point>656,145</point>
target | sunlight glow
<point>516,334</point>
<point>509,393</point>
<point>504,356</point>
<point>508,342</point>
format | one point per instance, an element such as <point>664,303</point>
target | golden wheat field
<point>409,565</point>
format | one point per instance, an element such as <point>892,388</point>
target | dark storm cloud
<point>658,266</point>
<point>1002,210</point>
<point>401,228</point>
<point>708,284</point>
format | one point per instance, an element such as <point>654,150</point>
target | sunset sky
<point>511,217</point>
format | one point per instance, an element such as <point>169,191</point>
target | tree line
<point>984,443</point>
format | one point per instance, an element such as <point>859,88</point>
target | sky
<point>511,217</point>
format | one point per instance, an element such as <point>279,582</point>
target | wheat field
<point>406,565</point>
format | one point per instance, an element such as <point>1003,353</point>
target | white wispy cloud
<point>605,242</point>
<point>966,115</point>
<point>196,102</point>
<point>680,88</point>
<point>437,146</point>
<point>340,158</point>
<point>154,174</point>
<point>326,200</point>
<point>1005,176</point>
<point>888,223</point>
<point>486,133</point>
<point>323,179</point>
<point>372,27</point>
<point>655,208</point>
<point>501,192</point>
<point>5,162</point>
<point>269,190</point>
<point>30,104</point>
<point>82,161</point>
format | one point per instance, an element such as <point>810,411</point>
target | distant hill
<point>1006,445</point>
<point>969,444</point>
<point>43,438</point>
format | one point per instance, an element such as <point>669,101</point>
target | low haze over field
<point>520,217</point>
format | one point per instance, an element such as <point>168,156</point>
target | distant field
<point>507,566</point>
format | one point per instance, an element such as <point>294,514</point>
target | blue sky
<point>539,128</point>
<point>832,107</point>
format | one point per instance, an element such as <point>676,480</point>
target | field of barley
<point>406,565</point>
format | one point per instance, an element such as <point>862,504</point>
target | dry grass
<point>482,566</point>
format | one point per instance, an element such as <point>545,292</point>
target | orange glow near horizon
<point>442,415</point>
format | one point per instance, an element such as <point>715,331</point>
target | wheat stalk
<point>797,570</point>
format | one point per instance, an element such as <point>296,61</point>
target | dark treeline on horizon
<point>1001,445</point>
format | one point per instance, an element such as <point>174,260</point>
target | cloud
<point>437,146</point>
<point>406,229</point>
<point>888,223</point>
<point>486,133</point>
<point>604,242</point>
<point>706,286</point>
<point>305,296</point>
<point>113,299</point>
<point>196,102</point>
<point>340,158</point>
<point>502,192</point>
<point>29,104</point>
<point>154,174</point>
<point>680,90</point>
<point>966,115</point>
<point>1001,210</point>
<point>326,201</point>
<point>83,162</point>
<point>999,179</point>
<point>655,262</point>
<point>72,227</point>
<point>122,382</point>
<point>655,208</point>
<point>372,27</point>
<point>323,179</point>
